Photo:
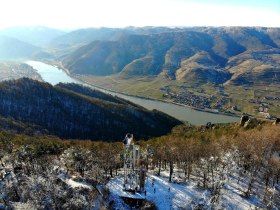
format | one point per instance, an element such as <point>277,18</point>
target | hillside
<point>85,36</point>
<point>227,166</point>
<point>193,54</point>
<point>70,111</point>
<point>11,48</point>
<point>37,35</point>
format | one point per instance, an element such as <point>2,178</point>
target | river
<point>54,75</point>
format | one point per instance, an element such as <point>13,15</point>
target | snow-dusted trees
<point>35,168</point>
<point>95,162</point>
<point>157,156</point>
<point>77,158</point>
<point>165,153</point>
<point>44,187</point>
<point>109,157</point>
<point>187,155</point>
<point>6,145</point>
<point>258,158</point>
<point>170,154</point>
<point>227,155</point>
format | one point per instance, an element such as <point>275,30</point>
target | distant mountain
<point>37,35</point>
<point>11,48</point>
<point>85,36</point>
<point>72,111</point>
<point>262,66</point>
<point>205,54</point>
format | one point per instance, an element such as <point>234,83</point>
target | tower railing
<point>134,174</point>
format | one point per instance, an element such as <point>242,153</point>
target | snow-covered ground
<point>116,186</point>
<point>73,183</point>
<point>167,195</point>
<point>22,206</point>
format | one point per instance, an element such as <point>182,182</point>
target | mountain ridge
<point>168,53</point>
<point>14,48</point>
<point>36,35</point>
<point>72,111</point>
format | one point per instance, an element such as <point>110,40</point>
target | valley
<point>54,75</point>
<point>207,68</point>
<point>140,105</point>
<point>231,70</point>
<point>230,99</point>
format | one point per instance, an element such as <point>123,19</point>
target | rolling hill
<point>37,35</point>
<point>85,36</point>
<point>11,48</point>
<point>237,55</point>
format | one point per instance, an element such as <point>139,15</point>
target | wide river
<point>54,75</point>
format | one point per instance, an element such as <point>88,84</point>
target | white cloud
<point>87,13</point>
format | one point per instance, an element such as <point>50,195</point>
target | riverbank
<point>77,77</point>
<point>160,100</point>
<point>178,111</point>
<point>10,70</point>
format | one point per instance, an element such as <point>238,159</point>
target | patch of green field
<point>240,96</point>
<point>140,86</point>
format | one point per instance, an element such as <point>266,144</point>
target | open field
<point>257,100</point>
<point>142,86</point>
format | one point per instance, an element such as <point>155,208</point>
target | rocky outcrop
<point>248,122</point>
<point>243,120</point>
<point>251,123</point>
<point>276,121</point>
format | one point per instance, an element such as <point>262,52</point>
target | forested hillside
<point>238,55</point>
<point>85,114</point>
<point>226,166</point>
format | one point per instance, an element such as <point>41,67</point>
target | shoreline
<point>60,66</point>
<point>159,100</point>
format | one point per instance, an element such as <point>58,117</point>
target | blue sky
<point>121,13</point>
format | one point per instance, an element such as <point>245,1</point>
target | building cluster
<point>201,101</point>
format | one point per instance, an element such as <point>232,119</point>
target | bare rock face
<point>210,125</point>
<point>243,120</point>
<point>276,121</point>
<point>251,123</point>
<point>248,122</point>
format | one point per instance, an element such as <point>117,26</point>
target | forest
<point>71,111</point>
<point>35,169</point>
